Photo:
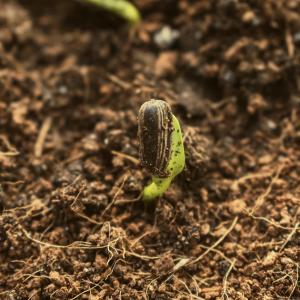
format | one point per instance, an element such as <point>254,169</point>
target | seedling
<point>161,146</point>
<point>122,8</point>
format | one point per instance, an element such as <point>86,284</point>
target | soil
<point>72,79</point>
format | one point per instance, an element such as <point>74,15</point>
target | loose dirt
<point>72,79</point>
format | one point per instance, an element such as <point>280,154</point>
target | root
<point>295,282</point>
<point>220,240</point>
<point>133,243</point>
<point>85,217</point>
<point>187,261</point>
<point>81,245</point>
<point>225,280</point>
<point>148,286</point>
<point>8,154</point>
<point>241,180</point>
<point>85,291</point>
<point>126,157</point>
<point>290,276</point>
<point>261,199</point>
<point>115,196</point>
<point>36,205</point>
<point>121,202</point>
<point>271,222</point>
<point>218,252</point>
<point>82,215</point>
<point>120,82</point>
<point>290,236</point>
<point>189,292</point>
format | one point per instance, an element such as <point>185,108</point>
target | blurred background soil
<point>72,78</point>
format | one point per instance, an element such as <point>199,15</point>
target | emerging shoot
<point>123,8</point>
<point>161,146</point>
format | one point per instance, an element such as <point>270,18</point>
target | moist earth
<point>72,79</point>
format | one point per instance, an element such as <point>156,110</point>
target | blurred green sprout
<point>122,8</point>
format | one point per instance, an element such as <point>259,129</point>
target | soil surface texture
<point>72,80</point>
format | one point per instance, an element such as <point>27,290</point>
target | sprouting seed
<point>161,146</point>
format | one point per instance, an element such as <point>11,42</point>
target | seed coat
<point>155,131</point>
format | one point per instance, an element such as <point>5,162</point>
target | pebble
<point>165,37</point>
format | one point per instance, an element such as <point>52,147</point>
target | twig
<point>126,156</point>
<point>85,291</point>
<point>192,296</point>
<point>204,281</point>
<point>8,154</point>
<point>133,243</point>
<point>290,236</point>
<point>83,245</point>
<point>196,285</point>
<point>260,200</point>
<point>218,252</point>
<point>143,257</point>
<point>71,159</point>
<point>219,241</point>
<point>85,217</point>
<point>296,281</point>
<point>127,201</point>
<point>271,222</point>
<point>113,267</point>
<point>7,143</point>
<point>289,43</point>
<point>123,84</point>
<point>148,285</point>
<point>256,245</point>
<point>225,282</point>
<point>82,215</point>
<point>13,183</point>
<point>187,261</point>
<point>115,196</point>
<point>241,180</point>
<point>39,145</point>
<point>29,276</point>
<point>33,294</point>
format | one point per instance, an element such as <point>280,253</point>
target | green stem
<point>176,164</point>
<point>122,8</point>
<point>156,188</point>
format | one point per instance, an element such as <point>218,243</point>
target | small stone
<point>166,37</point>
<point>237,206</point>
<point>265,159</point>
<point>205,229</point>
<point>166,63</point>
<point>270,258</point>
<point>248,16</point>
<point>256,102</point>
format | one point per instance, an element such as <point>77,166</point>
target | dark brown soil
<point>72,79</point>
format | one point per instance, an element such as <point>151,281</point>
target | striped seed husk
<point>155,132</point>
